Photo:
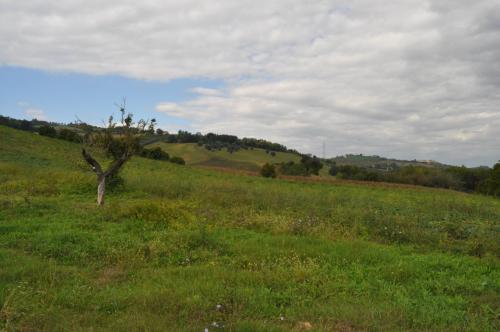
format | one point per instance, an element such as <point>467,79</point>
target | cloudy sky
<point>407,79</point>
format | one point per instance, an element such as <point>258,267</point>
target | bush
<point>292,168</point>
<point>114,182</point>
<point>177,160</point>
<point>69,135</point>
<point>268,171</point>
<point>312,164</point>
<point>155,153</point>
<point>333,169</point>
<point>491,185</point>
<point>48,131</point>
<point>308,165</point>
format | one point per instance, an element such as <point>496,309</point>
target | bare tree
<point>119,141</point>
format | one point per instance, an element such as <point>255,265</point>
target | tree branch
<point>96,167</point>
<point>117,164</point>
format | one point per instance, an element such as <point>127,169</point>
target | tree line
<point>212,141</point>
<point>483,180</point>
<point>307,166</point>
<point>80,132</point>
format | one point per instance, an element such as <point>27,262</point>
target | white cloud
<point>35,113</point>
<point>31,111</point>
<point>411,79</point>
<point>206,91</point>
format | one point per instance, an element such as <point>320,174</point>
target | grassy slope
<point>177,241</point>
<point>249,160</point>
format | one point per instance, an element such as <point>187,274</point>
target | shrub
<point>114,182</point>
<point>292,168</point>
<point>48,131</point>
<point>155,153</point>
<point>268,171</point>
<point>69,135</point>
<point>312,164</point>
<point>177,160</point>
<point>333,169</point>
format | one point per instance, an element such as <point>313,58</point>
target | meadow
<point>178,248</point>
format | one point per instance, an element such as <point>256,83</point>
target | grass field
<point>184,249</point>
<point>247,160</point>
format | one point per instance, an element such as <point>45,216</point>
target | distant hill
<point>249,159</point>
<point>381,163</point>
<point>228,151</point>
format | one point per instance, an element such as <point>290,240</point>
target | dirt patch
<point>109,275</point>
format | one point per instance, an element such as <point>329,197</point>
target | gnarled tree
<point>120,141</point>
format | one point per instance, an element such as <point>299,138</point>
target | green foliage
<point>482,180</point>
<point>115,146</point>
<point>115,182</point>
<point>354,173</point>
<point>155,153</point>
<point>268,171</point>
<point>311,164</point>
<point>179,248</point>
<point>16,124</point>
<point>293,168</point>
<point>217,142</point>
<point>424,176</point>
<point>177,160</point>
<point>491,184</point>
<point>69,135</point>
<point>308,165</point>
<point>48,131</point>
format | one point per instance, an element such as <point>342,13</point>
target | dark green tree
<point>48,131</point>
<point>268,171</point>
<point>177,160</point>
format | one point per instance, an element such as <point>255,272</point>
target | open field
<point>184,249</point>
<point>246,160</point>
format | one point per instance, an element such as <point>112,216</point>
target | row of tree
<point>213,141</point>
<point>308,165</point>
<point>27,125</point>
<point>481,179</point>
<point>149,133</point>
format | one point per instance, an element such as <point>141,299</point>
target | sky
<point>409,79</point>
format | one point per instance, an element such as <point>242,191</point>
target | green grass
<point>248,160</point>
<point>175,242</point>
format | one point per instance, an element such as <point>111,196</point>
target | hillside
<point>381,163</point>
<point>243,159</point>
<point>179,248</point>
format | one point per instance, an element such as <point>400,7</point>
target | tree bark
<point>101,190</point>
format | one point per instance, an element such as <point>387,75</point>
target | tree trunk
<point>101,190</point>
<point>101,176</point>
